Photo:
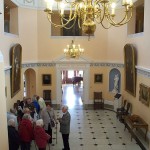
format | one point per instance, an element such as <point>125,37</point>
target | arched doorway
<point>29,82</point>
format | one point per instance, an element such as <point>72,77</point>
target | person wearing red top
<point>25,132</point>
<point>40,136</point>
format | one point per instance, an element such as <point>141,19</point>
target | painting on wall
<point>129,68</point>
<point>144,94</point>
<point>47,94</point>
<point>98,78</point>
<point>16,62</point>
<point>46,79</point>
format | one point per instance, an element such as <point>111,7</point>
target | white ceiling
<point>39,4</point>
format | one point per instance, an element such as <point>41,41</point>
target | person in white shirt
<point>41,102</point>
<point>11,115</point>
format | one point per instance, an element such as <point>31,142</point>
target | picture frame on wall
<point>47,94</point>
<point>16,63</point>
<point>129,69</point>
<point>144,94</point>
<point>46,79</point>
<point>98,78</point>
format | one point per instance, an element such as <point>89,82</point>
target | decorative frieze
<point>102,64</point>
<point>140,70</point>
<point>28,65</point>
<point>143,71</point>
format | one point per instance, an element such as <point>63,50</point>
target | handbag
<point>52,123</point>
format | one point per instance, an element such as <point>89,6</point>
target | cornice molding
<point>106,64</point>
<point>140,70</point>
<point>27,65</point>
<point>143,71</point>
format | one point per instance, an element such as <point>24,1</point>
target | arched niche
<point>114,80</point>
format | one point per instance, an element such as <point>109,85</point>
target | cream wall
<point>28,34</point>
<point>115,54</point>
<point>104,86</point>
<point>50,48</point>
<point>41,87</point>
<point>96,87</point>
<point>117,38</point>
<point>3,121</point>
<point>106,46</point>
<point>27,20</point>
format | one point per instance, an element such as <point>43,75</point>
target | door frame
<point>73,66</point>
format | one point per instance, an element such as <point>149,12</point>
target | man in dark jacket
<point>65,127</point>
<point>13,135</point>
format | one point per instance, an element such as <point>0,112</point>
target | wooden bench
<point>135,122</point>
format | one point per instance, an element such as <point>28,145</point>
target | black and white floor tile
<point>95,130</point>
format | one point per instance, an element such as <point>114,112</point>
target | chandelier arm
<point>79,23</point>
<point>131,14</point>
<point>90,12</point>
<point>102,16</point>
<point>74,20</point>
<point>123,21</point>
<point>105,26</point>
<point>62,18</point>
<point>62,25</point>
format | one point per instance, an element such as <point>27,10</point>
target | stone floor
<point>92,129</point>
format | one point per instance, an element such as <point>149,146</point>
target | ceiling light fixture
<point>88,13</point>
<point>73,51</point>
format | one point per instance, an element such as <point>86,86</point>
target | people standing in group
<point>25,132</point>
<point>13,136</point>
<point>23,103</point>
<point>40,136</point>
<point>30,105</point>
<point>65,127</point>
<point>48,116</point>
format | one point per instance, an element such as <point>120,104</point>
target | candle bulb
<point>113,5</point>
<point>113,11</point>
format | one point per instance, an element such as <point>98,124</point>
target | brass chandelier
<point>88,13</point>
<point>73,51</point>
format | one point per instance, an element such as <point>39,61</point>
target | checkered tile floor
<point>94,130</point>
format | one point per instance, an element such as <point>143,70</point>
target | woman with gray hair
<point>40,136</point>
<point>13,135</point>
<point>48,116</point>
<point>25,132</point>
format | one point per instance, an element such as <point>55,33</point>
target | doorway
<point>29,79</point>
<point>72,87</point>
<point>60,67</point>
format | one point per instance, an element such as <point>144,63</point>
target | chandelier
<point>73,51</point>
<point>88,13</point>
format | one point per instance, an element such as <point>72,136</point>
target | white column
<point>3,120</point>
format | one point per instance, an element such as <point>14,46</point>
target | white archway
<point>30,82</point>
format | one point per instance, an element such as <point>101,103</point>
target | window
<point>139,24</point>
<point>74,31</point>
<point>56,31</point>
<point>10,17</point>
<point>70,73</point>
<point>136,24</point>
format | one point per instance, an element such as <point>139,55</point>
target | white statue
<point>116,82</point>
